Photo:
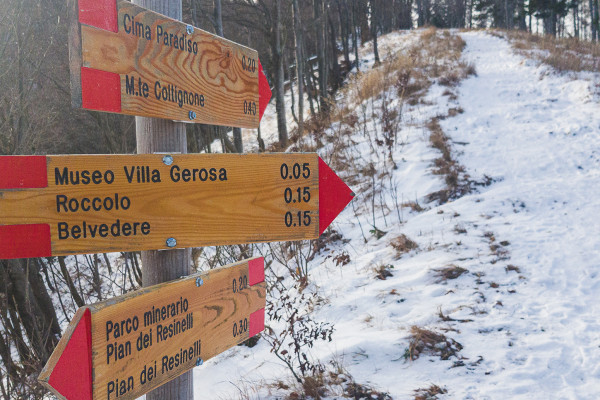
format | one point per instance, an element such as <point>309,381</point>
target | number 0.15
<point>302,218</point>
<point>302,195</point>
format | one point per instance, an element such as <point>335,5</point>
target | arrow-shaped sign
<point>73,204</point>
<point>130,60</point>
<point>126,346</point>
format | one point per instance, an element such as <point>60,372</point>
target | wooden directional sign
<point>126,346</point>
<point>73,204</point>
<point>130,60</point>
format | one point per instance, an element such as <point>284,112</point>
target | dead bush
<point>562,54</point>
<point>402,244</point>
<point>511,267</point>
<point>335,382</point>
<point>413,205</point>
<point>430,393</point>
<point>425,342</point>
<point>383,272</point>
<point>450,272</point>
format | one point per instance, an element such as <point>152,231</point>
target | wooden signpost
<point>130,60</point>
<point>126,346</point>
<point>73,204</point>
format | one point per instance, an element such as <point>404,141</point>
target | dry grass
<point>450,272</point>
<point>410,72</point>
<point>383,272</point>
<point>446,165</point>
<point>425,342</point>
<point>413,205</point>
<point>430,393</point>
<point>402,244</point>
<point>511,267</point>
<point>563,54</point>
<point>333,383</point>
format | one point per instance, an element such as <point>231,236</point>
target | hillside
<point>466,267</point>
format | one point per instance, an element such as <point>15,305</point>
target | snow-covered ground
<point>527,310</point>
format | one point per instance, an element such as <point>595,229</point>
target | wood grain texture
<point>214,68</point>
<point>214,307</point>
<point>75,52</point>
<point>148,337</point>
<point>249,206</point>
<point>160,135</point>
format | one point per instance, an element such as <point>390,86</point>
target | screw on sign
<point>126,346</point>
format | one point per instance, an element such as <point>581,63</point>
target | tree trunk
<point>335,65</point>
<point>344,28</point>
<point>521,23</point>
<point>355,35</point>
<point>319,18</point>
<point>596,19</point>
<point>159,135</point>
<point>67,277</point>
<point>374,27</point>
<point>279,79</point>
<point>592,20</point>
<point>299,67</point>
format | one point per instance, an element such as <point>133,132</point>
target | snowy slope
<point>526,311</point>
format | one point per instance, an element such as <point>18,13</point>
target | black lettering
<point>110,388</point>
<point>61,178</point>
<point>138,29</point>
<point>63,230</point>
<point>85,204</point>
<point>103,230</point>
<point>73,205</point>
<point>159,33</point>
<point>185,175</point>
<point>97,177</point>
<point>129,84</point>
<point>61,200</point>
<point>115,229</point>
<point>126,19</point>
<point>175,176</point>
<point>76,232</point>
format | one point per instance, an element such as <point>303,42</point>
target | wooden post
<point>152,136</point>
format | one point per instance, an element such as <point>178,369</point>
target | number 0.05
<point>295,172</point>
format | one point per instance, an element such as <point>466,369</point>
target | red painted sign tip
<point>334,195</point>
<point>102,14</point>
<point>72,374</point>
<point>257,322</point>
<point>25,241</point>
<point>23,172</point>
<point>256,271</point>
<point>264,91</point>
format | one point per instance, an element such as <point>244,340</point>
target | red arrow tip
<point>72,374</point>
<point>334,195</point>
<point>264,91</point>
